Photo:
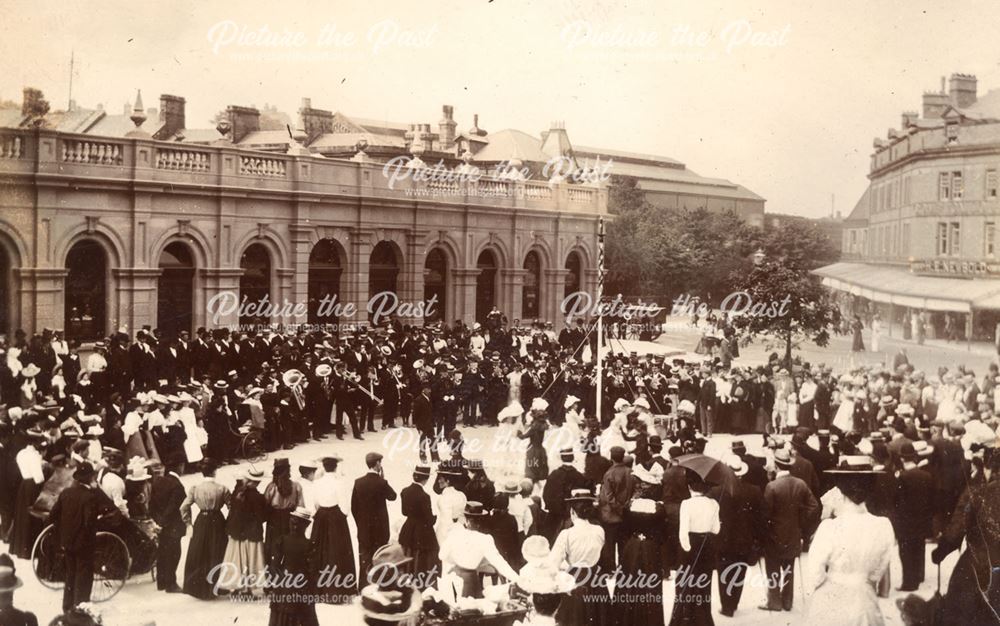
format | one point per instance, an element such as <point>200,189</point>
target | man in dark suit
<point>706,405</point>
<point>368,505</point>
<point>423,421</point>
<point>899,440</point>
<point>559,486</point>
<point>165,501</point>
<point>802,468</point>
<point>75,516</point>
<point>791,513</point>
<point>417,533</point>
<point>741,535</point>
<point>913,515</point>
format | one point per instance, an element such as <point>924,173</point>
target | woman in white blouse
<point>699,524</point>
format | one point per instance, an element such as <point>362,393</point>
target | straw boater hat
<point>736,464</point>
<point>535,549</point>
<point>782,458</point>
<point>323,370</point>
<point>475,509</point>
<point>570,401</point>
<point>581,495</point>
<point>30,370</point>
<point>253,475</point>
<point>302,513</point>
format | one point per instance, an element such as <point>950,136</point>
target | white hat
<point>736,464</point>
<point>643,505</point>
<point>644,403</point>
<point>95,431</point>
<point>323,369</point>
<point>539,404</point>
<point>621,402</point>
<point>512,410</point>
<point>570,401</point>
<point>686,406</point>
<point>418,364</point>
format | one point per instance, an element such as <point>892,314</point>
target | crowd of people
<point>621,501</point>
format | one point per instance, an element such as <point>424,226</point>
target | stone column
<point>299,281</point>
<point>463,294</point>
<point>285,293</point>
<point>216,281</point>
<point>137,303</point>
<point>509,299</point>
<point>413,295</point>
<point>555,284</point>
<point>42,300</point>
<point>355,286</point>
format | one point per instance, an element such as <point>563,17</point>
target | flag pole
<point>600,314</point>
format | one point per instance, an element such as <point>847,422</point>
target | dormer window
<point>951,132</point>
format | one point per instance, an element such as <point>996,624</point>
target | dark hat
<point>281,462</point>
<point>84,473</point>
<point>566,454</point>
<point>372,458</point>
<point>737,445</point>
<point>422,470</point>
<point>386,605</point>
<point>450,467</point>
<point>474,465</point>
<point>8,574</point>
<point>474,509</point>
<point>655,442</point>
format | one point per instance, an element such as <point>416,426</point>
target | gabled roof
<point>986,107</point>
<point>862,209</point>
<point>11,118</point>
<point>605,153</point>
<point>266,138</point>
<point>121,125</point>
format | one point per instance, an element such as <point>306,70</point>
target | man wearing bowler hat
<point>417,535</point>
<point>75,518</point>
<point>10,616</point>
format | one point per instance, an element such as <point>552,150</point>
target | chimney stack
<point>315,122</point>
<point>447,127</point>
<point>243,121</point>
<point>962,90</point>
<point>171,116</point>
<point>935,103</point>
<point>908,118</point>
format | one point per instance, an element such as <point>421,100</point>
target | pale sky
<point>792,118</point>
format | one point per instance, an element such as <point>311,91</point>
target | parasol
<point>711,470</point>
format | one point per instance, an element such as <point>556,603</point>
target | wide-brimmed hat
<point>642,402</point>
<point>581,495</point>
<point>475,509</point>
<point>783,458</point>
<point>253,474</point>
<point>386,605</point>
<point>535,548</point>
<point>30,370</point>
<point>323,370</point>
<point>302,513</point>
<point>736,464</point>
<point>570,401</point>
<point>390,555</point>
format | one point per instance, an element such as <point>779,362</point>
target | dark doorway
<point>5,292</point>
<point>324,281</point>
<point>530,291</point>
<point>383,271</point>
<point>86,291</point>
<point>175,290</point>
<point>436,284</point>
<point>486,284</point>
<point>255,285</point>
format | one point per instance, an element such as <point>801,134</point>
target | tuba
<point>293,379</point>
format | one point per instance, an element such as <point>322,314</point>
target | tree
<point>787,304</point>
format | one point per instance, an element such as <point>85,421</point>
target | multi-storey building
<point>922,237</point>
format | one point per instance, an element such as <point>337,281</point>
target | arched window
<point>436,283</point>
<point>255,283</point>
<point>86,290</point>
<point>175,290</point>
<point>324,281</point>
<point>530,293</point>
<point>486,284</point>
<point>5,291</point>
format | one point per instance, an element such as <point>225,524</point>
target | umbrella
<point>711,470</point>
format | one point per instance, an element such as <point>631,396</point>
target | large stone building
<point>133,218</point>
<point>922,237</point>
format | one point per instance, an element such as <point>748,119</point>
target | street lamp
<point>758,256</point>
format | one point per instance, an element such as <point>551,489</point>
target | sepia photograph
<point>497,313</point>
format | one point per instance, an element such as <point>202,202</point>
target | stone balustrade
<point>258,166</point>
<point>11,147</point>
<point>182,160</point>
<point>92,152</point>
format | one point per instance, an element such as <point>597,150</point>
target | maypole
<point>600,313</point>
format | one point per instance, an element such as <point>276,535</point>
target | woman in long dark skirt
<point>642,565</point>
<point>699,525</point>
<point>208,543</point>
<point>579,548</point>
<point>333,551</point>
<point>536,463</point>
<point>292,597</point>
<point>283,495</point>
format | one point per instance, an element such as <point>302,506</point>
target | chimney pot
<point>171,115</point>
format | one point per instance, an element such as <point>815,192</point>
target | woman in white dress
<point>848,556</point>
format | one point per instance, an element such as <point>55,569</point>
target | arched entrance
<point>175,290</point>
<point>86,290</point>
<point>574,270</point>
<point>383,270</point>
<point>255,283</point>
<point>530,292</point>
<point>324,281</point>
<point>436,284</point>
<point>486,284</point>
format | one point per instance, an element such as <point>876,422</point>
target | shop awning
<point>895,285</point>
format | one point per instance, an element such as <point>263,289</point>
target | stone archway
<point>86,290</point>
<point>175,290</point>
<point>325,270</point>
<point>255,283</point>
